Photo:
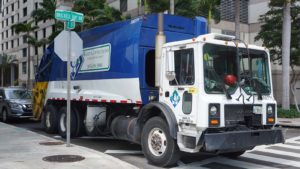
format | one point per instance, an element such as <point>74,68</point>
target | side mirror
<point>170,70</point>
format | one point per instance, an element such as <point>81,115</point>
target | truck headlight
<point>270,114</point>
<point>269,110</point>
<point>213,111</point>
<point>214,115</point>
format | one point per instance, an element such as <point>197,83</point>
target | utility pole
<point>237,19</point>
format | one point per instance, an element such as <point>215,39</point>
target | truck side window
<point>184,67</point>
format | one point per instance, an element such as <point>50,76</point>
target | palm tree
<point>47,12</point>
<point>36,43</point>
<point>208,8</point>
<point>26,28</point>
<point>96,13</point>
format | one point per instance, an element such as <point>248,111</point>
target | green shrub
<point>292,113</point>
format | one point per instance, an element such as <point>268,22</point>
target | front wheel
<point>157,144</point>
<point>4,116</point>
<point>62,125</point>
<point>50,119</point>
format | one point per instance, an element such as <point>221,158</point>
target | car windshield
<point>17,94</point>
<point>220,70</point>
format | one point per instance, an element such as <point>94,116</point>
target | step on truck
<point>197,92</point>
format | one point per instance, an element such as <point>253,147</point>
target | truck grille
<point>241,114</point>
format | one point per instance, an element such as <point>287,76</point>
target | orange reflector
<point>214,122</point>
<point>271,120</point>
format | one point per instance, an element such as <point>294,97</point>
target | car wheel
<point>62,126</point>
<point>233,154</point>
<point>4,116</point>
<point>157,144</point>
<point>50,119</point>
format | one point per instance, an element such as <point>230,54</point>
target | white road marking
<point>272,159</point>
<point>123,152</point>
<point>280,152</point>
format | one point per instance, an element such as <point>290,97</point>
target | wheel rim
<point>63,122</point>
<point>157,142</point>
<point>4,117</point>
<point>48,123</point>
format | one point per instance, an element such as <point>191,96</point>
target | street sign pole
<point>69,90</point>
<point>69,18</point>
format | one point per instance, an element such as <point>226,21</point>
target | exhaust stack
<point>159,41</point>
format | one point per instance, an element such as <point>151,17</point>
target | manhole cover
<point>51,143</point>
<point>63,158</point>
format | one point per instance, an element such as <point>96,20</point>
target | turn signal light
<point>214,122</point>
<point>271,120</point>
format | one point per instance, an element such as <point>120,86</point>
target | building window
<point>24,67</point>
<point>2,34</point>
<point>24,1</point>
<point>12,19</point>
<point>18,17</point>
<point>12,7</point>
<point>18,42</point>
<point>6,10</point>
<point>12,32</point>
<point>7,22</point>
<point>24,11</point>
<point>6,43</point>
<point>36,5</point>
<point>2,24</point>
<point>44,33</point>
<point>24,39</point>
<point>36,50</point>
<point>24,52</point>
<point>123,5</point>
<point>6,33</point>
<point>2,47</point>
<point>12,44</point>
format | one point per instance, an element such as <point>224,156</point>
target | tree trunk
<point>172,7</point>
<point>28,66</point>
<point>2,78</point>
<point>209,19</point>
<point>237,19</point>
<point>286,41</point>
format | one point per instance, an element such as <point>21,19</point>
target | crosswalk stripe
<point>272,159</point>
<point>225,161</point>
<point>267,163</point>
<point>276,155</point>
<point>278,152</point>
<point>293,144</point>
<point>282,148</point>
<point>286,146</point>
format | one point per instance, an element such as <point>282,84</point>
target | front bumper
<point>15,113</point>
<point>240,140</point>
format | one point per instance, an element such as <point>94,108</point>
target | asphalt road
<point>132,153</point>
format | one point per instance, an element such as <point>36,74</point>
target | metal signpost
<point>74,49</point>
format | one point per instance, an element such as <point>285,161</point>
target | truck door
<point>180,93</point>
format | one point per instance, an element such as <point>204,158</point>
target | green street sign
<point>70,25</point>
<point>69,16</point>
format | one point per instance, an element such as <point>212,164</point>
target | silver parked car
<point>15,102</point>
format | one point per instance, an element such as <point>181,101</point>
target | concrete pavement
<point>21,149</point>
<point>289,122</point>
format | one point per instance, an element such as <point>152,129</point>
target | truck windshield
<point>220,70</point>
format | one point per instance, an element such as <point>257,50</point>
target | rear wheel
<point>62,126</point>
<point>233,154</point>
<point>157,144</point>
<point>50,119</point>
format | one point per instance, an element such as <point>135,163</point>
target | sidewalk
<point>289,122</point>
<point>21,149</point>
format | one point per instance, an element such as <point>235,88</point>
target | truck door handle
<point>167,94</point>
<point>180,88</point>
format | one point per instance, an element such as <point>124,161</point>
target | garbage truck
<point>163,82</point>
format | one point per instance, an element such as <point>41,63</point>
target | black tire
<point>5,117</point>
<point>62,127</point>
<point>50,119</point>
<point>233,154</point>
<point>80,121</point>
<point>154,127</point>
